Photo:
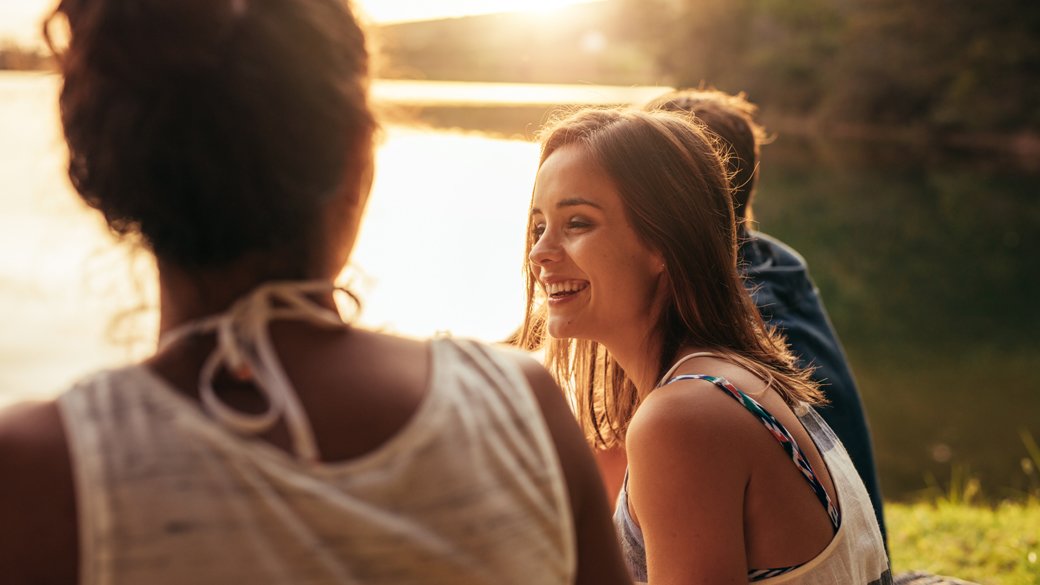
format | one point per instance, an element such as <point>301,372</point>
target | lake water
<point>925,264</point>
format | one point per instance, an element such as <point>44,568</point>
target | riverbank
<point>518,110</point>
<point>519,119</point>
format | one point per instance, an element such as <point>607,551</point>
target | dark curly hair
<point>213,128</point>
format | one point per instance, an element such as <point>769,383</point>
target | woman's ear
<point>658,262</point>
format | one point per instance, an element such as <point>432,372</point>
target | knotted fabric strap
<point>244,348</point>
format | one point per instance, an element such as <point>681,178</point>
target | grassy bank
<point>989,544</point>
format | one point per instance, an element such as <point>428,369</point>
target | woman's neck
<point>641,361</point>
<point>642,364</point>
<point>186,296</point>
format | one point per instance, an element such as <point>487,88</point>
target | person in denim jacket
<point>778,278</point>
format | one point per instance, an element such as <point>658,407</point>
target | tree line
<point>16,57</point>
<point>922,67</point>
<point>932,65</point>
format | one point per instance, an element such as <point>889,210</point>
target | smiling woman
<point>582,244</point>
<point>634,295</point>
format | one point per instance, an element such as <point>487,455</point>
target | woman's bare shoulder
<point>383,356</point>
<point>688,412</point>
<point>31,432</point>
<point>37,498</point>
<point>717,366</point>
<point>697,432</point>
<point>689,468</point>
<point>383,341</point>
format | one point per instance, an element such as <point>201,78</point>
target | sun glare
<point>544,6</point>
<point>20,19</point>
<point>385,11</point>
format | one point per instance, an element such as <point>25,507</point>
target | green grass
<point>989,544</point>
<point>957,531</point>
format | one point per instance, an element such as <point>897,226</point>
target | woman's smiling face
<point>601,280</point>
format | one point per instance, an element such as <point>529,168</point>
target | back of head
<point>731,118</point>
<point>214,128</point>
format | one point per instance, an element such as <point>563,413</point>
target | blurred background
<point>904,168</point>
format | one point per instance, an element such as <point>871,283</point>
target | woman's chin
<point>564,329</point>
<point>558,329</point>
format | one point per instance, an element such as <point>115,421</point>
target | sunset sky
<point>19,19</point>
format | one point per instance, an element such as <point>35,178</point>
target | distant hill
<point>583,43</point>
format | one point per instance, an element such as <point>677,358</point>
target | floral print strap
<point>780,433</point>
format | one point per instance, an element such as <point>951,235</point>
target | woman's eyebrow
<point>574,201</point>
<point>570,202</point>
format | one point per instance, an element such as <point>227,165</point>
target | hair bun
<point>153,40</point>
<point>213,127</point>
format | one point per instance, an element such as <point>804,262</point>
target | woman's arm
<point>38,540</point>
<point>688,474</point>
<point>599,556</point>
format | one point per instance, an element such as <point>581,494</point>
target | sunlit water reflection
<point>440,249</point>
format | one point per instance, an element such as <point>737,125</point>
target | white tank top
<point>470,491</point>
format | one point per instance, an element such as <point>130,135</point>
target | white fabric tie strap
<point>245,350</point>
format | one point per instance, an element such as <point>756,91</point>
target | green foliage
<point>578,44</point>
<point>1031,463</point>
<point>942,64</point>
<point>889,66</point>
<point>964,489</point>
<point>763,47</point>
<point>933,65</point>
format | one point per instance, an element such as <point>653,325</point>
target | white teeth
<point>567,286</point>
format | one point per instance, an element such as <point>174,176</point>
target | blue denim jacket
<point>779,282</point>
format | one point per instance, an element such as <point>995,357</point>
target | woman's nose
<point>545,250</point>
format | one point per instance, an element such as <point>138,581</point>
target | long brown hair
<point>676,195</point>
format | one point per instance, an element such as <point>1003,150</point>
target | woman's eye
<point>538,229</point>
